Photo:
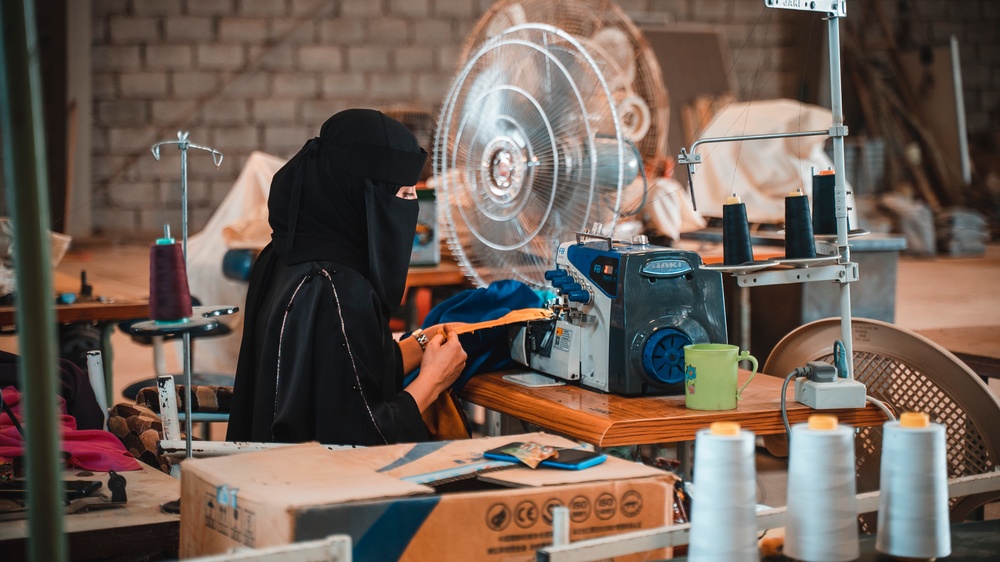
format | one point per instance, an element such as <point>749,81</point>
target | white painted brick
<point>432,88</point>
<point>211,7</point>
<point>243,30</point>
<point>247,85</point>
<point>129,113</point>
<point>297,31</point>
<point>134,194</point>
<point>156,7</point>
<point>170,195</point>
<point>131,30</point>
<point>367,57</point>
<point>343,85</point>
<point>286,141</point>
<point>115,58</point>
<point>413,59</point>
<point>296,85</point>
<point>189,30</point>
<point>105,166</point>
<point>279,57</point>
<point>104,85</point>
<point>187,85</point>
<point>410,8</point>
<point>395,87</point>
<point>173,111</point>
<point>454,8</point>
<point>169,57</point>
<point>447,57</point>
<point>225,112</point>
<point>131,140</point>
<point>342,31</point>
<point>108,7</point>
<point>360,9</point>
<point>433,32</point>
<point>319,111</point>
<point>271,111</point>
<point>115,221</point>
<point>321,57</point>
<point>143,85</point>
<point>312,8</point>
<point>220,57</point>
<point>268,8</point>
<point>389,31</point>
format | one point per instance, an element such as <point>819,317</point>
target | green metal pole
<point>27,196</point>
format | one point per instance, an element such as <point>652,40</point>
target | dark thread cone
<point>799,242</point>
<point>824,220</point>
<point>169,295</point>
<point>736,247</point>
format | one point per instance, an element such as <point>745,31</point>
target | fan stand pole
<point>837,132</point>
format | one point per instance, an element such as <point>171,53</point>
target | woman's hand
<point>442,363</point>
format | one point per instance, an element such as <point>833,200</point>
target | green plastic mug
<point>710,375</point>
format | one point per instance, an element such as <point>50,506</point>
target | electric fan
<point>531,145</point>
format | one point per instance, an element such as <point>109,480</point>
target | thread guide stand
<point>204,318</point>
<point>844,271</point>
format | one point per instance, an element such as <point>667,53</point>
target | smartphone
<point>568,459</point>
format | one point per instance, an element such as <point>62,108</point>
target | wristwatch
<point>421,338</point>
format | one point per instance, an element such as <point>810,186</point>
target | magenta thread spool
<point>799,242</point>
<point>169,295</point>
<point>736,247</point>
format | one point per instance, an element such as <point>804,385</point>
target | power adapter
<point>822,389</point>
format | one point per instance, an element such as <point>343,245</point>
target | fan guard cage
<point>527,152</point>
<point>614,39</point>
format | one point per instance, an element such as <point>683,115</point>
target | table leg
<point>107,357</point>
<point>685,456</point>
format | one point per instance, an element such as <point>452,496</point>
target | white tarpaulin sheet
<point>761,172</point>
<point>239,222</point>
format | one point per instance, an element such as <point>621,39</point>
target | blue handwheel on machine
<point>663,356</point>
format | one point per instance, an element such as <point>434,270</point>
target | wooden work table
<point>137,531</point>
<point>607,420</point>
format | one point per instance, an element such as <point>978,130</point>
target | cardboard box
<point>425,501</point>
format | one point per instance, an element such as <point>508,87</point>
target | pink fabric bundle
<point>89,449</point>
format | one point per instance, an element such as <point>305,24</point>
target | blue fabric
<point>488,349</point>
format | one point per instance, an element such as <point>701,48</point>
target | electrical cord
<point>881,406</point>
<point>840,358</point>
<point>798,372</point>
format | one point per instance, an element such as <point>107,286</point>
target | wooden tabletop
<point>89,311</point>
<point>136,531</point>
<point>608,420</point>
<point>443,274</point>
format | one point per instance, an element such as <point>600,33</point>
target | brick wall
<point>244,75</point>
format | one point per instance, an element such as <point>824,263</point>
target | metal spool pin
<point>184,144</point>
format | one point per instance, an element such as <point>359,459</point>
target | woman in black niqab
<point>317,359</point>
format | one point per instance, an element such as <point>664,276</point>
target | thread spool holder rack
<point>844,271</point>
<point>203,318</point>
